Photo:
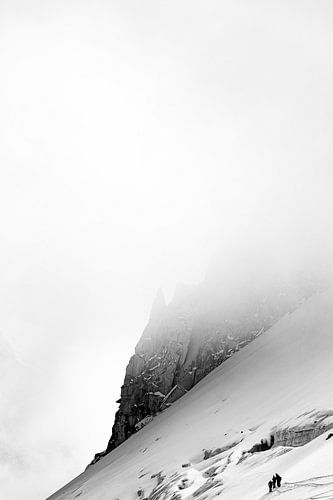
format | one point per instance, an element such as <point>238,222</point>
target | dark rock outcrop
<point>201,328</point>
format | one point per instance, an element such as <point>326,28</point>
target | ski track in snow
<point>310,483</point>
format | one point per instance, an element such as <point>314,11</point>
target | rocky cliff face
<point>202,327</point>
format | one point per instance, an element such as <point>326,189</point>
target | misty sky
<point>137,140</point>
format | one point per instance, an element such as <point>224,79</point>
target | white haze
<point>138,139</point>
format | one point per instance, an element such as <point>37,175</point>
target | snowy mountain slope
<point>201,327</point>
<point>276,391</point>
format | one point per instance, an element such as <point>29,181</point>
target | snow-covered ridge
<point>217,439</point>
<point>201,328</point>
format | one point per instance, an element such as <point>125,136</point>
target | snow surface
<point>282,380</point>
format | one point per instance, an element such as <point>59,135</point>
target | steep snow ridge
<point>203,326</point>
<point>282,380</point>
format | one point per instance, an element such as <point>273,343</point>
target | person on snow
<point>278,479</point>
<point>274,481</point>
<point>270,486</point>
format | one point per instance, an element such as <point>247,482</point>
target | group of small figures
<point>275,482</point>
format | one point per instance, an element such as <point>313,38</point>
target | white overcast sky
<point>136,139</point>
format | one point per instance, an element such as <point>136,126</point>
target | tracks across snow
<point>314,488</point>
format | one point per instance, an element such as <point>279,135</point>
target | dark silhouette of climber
<point>270,486</point>
<point>278,479</point>
<point>274,481</point>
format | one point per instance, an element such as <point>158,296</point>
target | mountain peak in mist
<point>266,410</point>
<point>159,305</point>
<point>202,327</point>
